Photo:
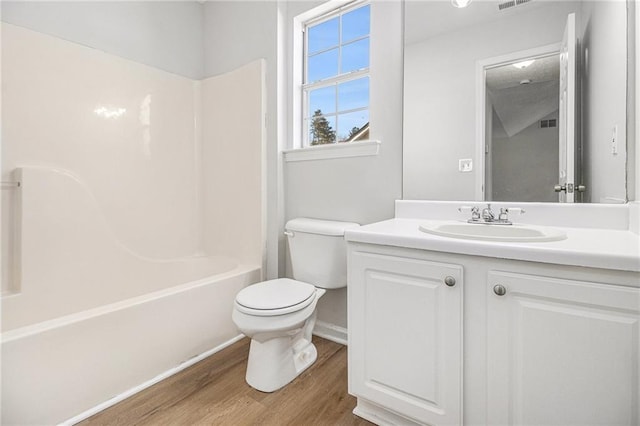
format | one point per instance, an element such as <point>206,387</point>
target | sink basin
<point>505,233</point>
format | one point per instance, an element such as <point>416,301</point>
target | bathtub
<point>139,216</point>
<point>68,368</point>
<point>79,336</point>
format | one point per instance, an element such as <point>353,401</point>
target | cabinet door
<point>405,336</point>
<point>561,352</point>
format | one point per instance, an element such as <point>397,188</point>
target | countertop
<point>589,247</point>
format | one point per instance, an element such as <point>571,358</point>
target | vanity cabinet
<point>405,336</point>
<point>543,344</point>
<point>561,351</point>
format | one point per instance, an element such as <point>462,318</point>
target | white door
<point>405,336</point>
<point>567,117</point>
<point>561,352</point>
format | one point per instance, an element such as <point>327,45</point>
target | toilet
<point>279,315</point>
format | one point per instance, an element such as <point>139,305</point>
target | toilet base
<point>275,362</point>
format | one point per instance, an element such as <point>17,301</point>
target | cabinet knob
<point>499,290</point>
<point>450,281</point>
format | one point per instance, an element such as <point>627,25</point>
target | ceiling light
<point>460,3</point>
<point>523,64</point>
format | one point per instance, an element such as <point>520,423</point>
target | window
<point>335,83</point>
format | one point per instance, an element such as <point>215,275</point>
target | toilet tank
<point>318,251</point>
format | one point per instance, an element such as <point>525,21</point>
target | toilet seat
<point>275,297</point>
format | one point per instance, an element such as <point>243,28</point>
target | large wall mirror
<point>524,100</point>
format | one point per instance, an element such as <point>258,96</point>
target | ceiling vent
<point>511,3</point>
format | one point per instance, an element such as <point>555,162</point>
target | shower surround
<point>138,218</point>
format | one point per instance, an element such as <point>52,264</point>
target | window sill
<point>336,150</point>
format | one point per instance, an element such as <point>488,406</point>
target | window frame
<point>302,88</point>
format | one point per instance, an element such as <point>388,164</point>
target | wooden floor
<point>214,392</point>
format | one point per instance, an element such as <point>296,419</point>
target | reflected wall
<point>440,90</point>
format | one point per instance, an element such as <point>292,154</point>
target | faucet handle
<point>475,212</point>
<point>504,214</point>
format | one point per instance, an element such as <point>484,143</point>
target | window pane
<point>323,100</point>
<point>355,24</point>
<point>350,124</point>
<point>353,94</point>
<point>322,66</point>
<point>355,55</point>
<point>323,36</point>
<point>322,129</point>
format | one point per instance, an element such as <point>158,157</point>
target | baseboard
<point>380,416</point>
<point>128,393</point>
<point>331,332</point>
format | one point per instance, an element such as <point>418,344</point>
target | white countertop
<point>590,247</point>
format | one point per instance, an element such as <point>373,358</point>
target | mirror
<point>482,123</point>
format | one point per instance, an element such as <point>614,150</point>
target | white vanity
<point>447,330</point>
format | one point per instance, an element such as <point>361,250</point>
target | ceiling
<point>541,70</point>
<point>444,18</point>
<point>520,105</point>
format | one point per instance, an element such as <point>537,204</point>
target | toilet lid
<point>276,295</point>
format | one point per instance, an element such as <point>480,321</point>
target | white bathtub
<point>130,234</point>
<point>69,367</point>
<point>90,319</point>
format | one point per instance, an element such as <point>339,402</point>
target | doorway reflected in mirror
<point>521,155</point>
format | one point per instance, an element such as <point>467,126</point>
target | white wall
<point>236,33</point>
<point>361,189</point>
<point>166,35</point>
<point>440,111</point>
<point>605,99</point>
<point>356,189</point>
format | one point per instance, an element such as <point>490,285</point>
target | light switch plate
<point>465,165</point>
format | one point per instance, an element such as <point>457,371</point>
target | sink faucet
<point>488,217</point>
<point>487,214</point>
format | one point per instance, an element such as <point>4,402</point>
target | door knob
<point>450,281</point>
<point>499,290</point>
<point>569,188</point>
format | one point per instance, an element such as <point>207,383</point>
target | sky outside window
<point>337,48</point>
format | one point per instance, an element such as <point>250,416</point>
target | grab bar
<point>10,185</point>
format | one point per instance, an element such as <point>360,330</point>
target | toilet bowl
<point>279,315</point>
<point>280,334</point>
